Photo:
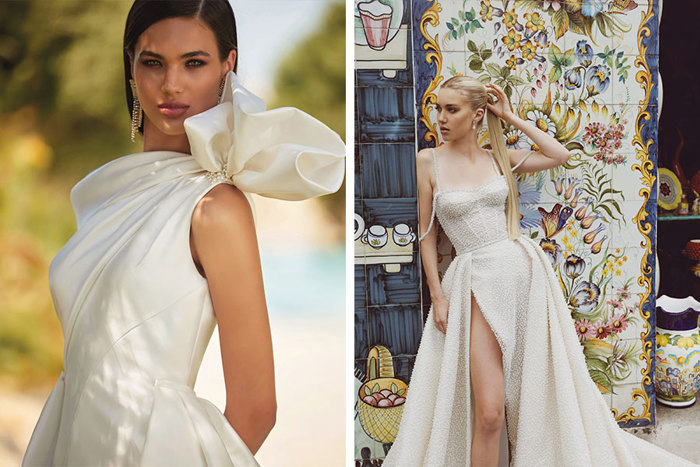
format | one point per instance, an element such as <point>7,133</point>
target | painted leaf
<point>394,388</point>
<point>560,21</point>
<point>493,69</point>
<point>471,46</point>
<point>367,391</point>
<point>375,388</point>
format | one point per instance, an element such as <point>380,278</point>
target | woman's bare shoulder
<point>221,209</point>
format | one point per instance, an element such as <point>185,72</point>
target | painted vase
<point>677,373</point>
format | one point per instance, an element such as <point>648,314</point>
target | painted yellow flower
<point>512,40</point>
<point>605,272</point>
<point>618,272</point>
<point>569,247</point>
<point>511,62</point>
<point>534,22</point>
<point>661,340</point>
<point>685,342</point>
<point>618,261</point>
<point>486,10</point>
<point>568,227</point>
<point>565,239</point>
<point>624,258</point>
<point>617,250</point>
<point>608,262</point>
<point>510,18</point>
<point>574,234</point>
<point>529,50</point>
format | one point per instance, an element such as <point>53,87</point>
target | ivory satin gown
<point>555,414</point>
<point>136,314</point>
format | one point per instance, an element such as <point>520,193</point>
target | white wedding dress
<point>135,312</point>
<point>555,414</point>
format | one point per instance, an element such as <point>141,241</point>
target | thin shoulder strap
<point>435,166</point>
<point>522,160</point>
<point>493,161</point>
<point>437,190</point>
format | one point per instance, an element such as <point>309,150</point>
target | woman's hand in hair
<point>501,108</point>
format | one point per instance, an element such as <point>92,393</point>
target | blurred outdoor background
<point>63,113</point>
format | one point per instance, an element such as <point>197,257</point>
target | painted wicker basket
<point>380,423</point>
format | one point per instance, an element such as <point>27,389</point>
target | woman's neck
<point>465,146</point>
<point>156,140</point>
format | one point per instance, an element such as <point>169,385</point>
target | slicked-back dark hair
<point>217,14</point>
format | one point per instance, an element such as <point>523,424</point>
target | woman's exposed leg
<point>486,372</point>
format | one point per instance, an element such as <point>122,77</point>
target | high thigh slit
<point>554,413</point>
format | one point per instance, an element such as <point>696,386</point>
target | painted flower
<point>597,246</point>
<point>486,10</point>
<point>559,184</point>
<point>572,78</point>
<point>573,266</point>
<point>510,18</point>
<point>584,329</point>
<point>584,53</point>
<point>618,323</point>
<point>553,4</point>
<point>529,217</point>
<point>591,8</point>
<point>597,79</point>
<point>542,121</point>
<point>512,40</point>
<point>624,293</point>
<point>534,22</point>
<point>590,236</point>
<point>553,251</point>
<point>527,192</point>
<point>601,330</point>
<point>529,50</point>
<point>584,298</point>
<point>541,40</point>
<point>513,61</point>
<point>516,139</point>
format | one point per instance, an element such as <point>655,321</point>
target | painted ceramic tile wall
<point>585,72</point>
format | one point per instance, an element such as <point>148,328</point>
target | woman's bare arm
<point>551,152</point>
<point>225,242</point>
<point>428,246</point>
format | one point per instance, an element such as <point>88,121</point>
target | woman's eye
<point>191,63</point>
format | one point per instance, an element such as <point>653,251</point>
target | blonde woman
<point>498,350</point>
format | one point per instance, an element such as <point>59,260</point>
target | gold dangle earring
<point>136,113</point>
<point>221,89</point>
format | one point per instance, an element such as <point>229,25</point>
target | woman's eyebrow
<point>186,55</point>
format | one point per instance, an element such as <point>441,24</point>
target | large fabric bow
<point>282,153</point>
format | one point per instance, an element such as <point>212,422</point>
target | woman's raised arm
<point>225,242</point>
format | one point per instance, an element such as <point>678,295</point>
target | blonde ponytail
<point>476,95</point>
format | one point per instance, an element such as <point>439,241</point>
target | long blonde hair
<point>475,93</point>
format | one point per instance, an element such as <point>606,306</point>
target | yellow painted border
<point>431,17</point>
<point>644,78</point>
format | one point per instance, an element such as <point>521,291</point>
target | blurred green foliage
<point>62,114</point>
<point>312,78</point>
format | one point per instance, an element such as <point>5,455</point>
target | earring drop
<point>221,88</point>
<point>136,113</point>
<point>473,124</point>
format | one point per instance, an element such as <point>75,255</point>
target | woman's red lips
<point>173,108</point>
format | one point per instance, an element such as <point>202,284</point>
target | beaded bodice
<point>471,217</point>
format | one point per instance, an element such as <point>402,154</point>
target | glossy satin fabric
<point>136,314</point>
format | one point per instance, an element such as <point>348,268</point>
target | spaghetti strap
<point>493,161</point>
<point>435,193</point>
<point>435,166</point>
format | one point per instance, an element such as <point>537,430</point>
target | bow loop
<point>282,153</point>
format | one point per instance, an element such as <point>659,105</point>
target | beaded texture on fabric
<point>555,415</point>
